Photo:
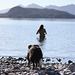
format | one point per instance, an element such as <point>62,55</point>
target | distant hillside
<point>34,6</point>
<point>52,7</point>
<point>4,11</point>
<point>20,12</point>
<point>68,8</point>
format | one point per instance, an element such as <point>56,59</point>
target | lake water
<point>17,34</point>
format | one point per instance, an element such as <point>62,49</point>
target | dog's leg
<point>40,63</point>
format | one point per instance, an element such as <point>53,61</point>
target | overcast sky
<point>4,4</point>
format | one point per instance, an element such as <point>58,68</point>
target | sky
<point>4,4</point>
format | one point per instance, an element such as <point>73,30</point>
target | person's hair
<point>41,27</point>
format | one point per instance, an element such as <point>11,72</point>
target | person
<point>42,32</point>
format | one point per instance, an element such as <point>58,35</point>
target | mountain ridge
<point>20,12</point>
<point>68,8</point>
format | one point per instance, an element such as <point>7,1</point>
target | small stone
<point>7,70</point>
<point>28,74</point>
<point>73,73</point>
<point>72,67</point>
<point>24,73</point>
<point>12,74</point>
<point>16,68</point>
<point>67,72</point>
<point>36,74</point>
<point>27,69</point>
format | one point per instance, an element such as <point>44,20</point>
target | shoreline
<point>18,66</point>
<point>63,59</point>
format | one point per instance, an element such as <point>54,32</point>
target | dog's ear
<point>29,46</point>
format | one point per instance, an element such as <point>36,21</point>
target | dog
<point>34,56</point>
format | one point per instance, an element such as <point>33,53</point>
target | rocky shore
<point>19,66</point>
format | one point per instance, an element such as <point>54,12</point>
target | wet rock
<point>49,71</point>
<point>27,69</point>
<point>72,67</point>
<point>36,74</point>
<point>43,68</point>
<point>16,68</point>
<point>22,68</point>
<point>47,59</point>
<point>28,74</point>
<point>69,61</point>
<point>7,70</point>
<point>24,73</point>
<point>12,67</point>
<point>35,71</point>
<point>59,60</point>
<point>42,72</point>
<point>73,73</point>
<point>67,71</point>
<point>11,74</point>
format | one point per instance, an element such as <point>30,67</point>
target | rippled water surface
<point>17,34</point>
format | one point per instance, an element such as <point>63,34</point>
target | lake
<point>17,34</point>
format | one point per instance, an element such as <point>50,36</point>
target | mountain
<point>4,11</point>
<point>34,6</point>
<point>68,8</point>
<point>20,12</point>
<point>52,7</point>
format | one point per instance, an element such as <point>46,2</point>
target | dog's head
<point>33,46</point>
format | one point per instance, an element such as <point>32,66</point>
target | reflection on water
<point>42,42</point>
<point>41,39</point>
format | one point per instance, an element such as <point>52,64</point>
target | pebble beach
<point>19,66</point>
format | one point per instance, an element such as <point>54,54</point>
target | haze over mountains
<point>4,11</point>
<point>68,8</point>
<point>34,6</point>
<point>36,11</point>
